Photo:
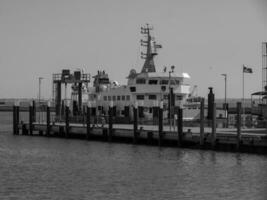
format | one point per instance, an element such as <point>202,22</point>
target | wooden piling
<point>160,126</point>
<point>238,124</point>
<point>135,123</point>
<point>88,122</point>
<point>33,111</point>
<point>17,120</point>
<point>48,125</point>
<point>110,123</point>
<point>31,116</point>
<point>67,122</point>
<point>180,126</point>
<point>14,120</point>
<point>201,138</point>
<point>213,126</point>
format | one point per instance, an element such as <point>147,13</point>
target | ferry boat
<point>145,89</point>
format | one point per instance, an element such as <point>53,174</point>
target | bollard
<point>135,122</point>
<point>238,124</point>
<point>88,113</point>
<point>110,123</point>
<point>213,126</point>
<point>67,125</point>
<point>31,116</point>
<point>201,138</point>
<point>160,123</point>
<point>180,126</point>
<point>48,126</point>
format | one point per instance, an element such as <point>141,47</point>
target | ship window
<point>109,98</point>
<point>123,98</point>
<point>104,81</point>
<point>179,97</point>
<point>172,82</point>
<point>140,81</point>
<point>114,98</point>
<point>105,98</point>
<point>177,82</point>
<point>132,89</point>
<point>118,98</point>
<point>164,82</point>
<point>128,97</point>
<point>153,82</point>
<point>152,97</point>
<point>140,97</point>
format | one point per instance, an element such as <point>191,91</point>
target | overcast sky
<point>203,38</point>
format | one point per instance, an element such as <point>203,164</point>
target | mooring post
<point>211,97</point>
<point>48,126</point>
<point>33,111</point>
<point>135,123</point>
<point>88,121</point>
<point>31,116</point>
<point>180,126</point>
<point>238,124</point>
<point>213,127</point>
<point>160,123</point>
<point>14,119</point>
<point>201,137</point>
<point>17,119</point>
<point>67,125</point>
<point>110,122</point>
<point>227,119</point>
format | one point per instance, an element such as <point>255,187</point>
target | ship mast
<point>151,50</point>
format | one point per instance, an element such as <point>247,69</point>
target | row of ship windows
<point>155,82</point>
<point>154,97</point>
<point>117,98</point>
<point>138,97</point>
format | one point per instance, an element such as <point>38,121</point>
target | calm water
<point>50,168</point>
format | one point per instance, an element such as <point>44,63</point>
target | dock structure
<point>199,136</point>
<point>76,79</point>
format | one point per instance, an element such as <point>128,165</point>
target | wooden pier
<point>222,139</point>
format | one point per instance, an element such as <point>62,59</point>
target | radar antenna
<point>151,49</point>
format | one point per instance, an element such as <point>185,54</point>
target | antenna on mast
<point>151,49</point>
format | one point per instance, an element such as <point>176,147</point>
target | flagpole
<point>245,70</point>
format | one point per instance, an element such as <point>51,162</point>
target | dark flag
<point>247,69</point>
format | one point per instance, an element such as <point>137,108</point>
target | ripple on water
<point>51,168</point>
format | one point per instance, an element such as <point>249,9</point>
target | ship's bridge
<point>158,82</point>
<point>156,86</point>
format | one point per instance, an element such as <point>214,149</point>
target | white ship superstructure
<point>145,89</point>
